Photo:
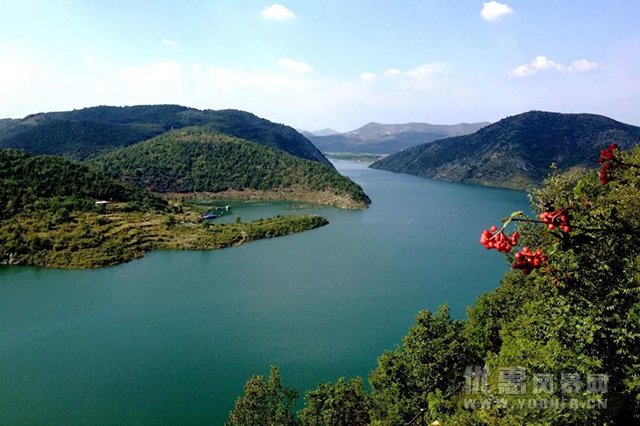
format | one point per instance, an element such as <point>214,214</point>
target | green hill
<point>515,152</point>
<point>49,217</point>
<point>197,160</point>
<point>85,133</point>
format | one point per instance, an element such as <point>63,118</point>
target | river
<point>171,338</point>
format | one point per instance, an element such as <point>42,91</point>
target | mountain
<point>324,132</point>
<point>315,133</point>
<point>85,133</point>
<point>376,138</point>
<point>198,160</point>
<point>515,152</point>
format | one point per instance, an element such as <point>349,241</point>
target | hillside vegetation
<point>515,152</point>
<point>49,217</point>
<point>197,160</point>
<point>32,184</point>
<point>85,133</point>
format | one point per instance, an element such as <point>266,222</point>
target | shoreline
<point>102,240</point>
<point>324,198</point>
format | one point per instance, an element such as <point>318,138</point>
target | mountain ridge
<point>517,151</point>
<point>84,133</point>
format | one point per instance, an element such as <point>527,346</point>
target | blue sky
<point>325,63</point>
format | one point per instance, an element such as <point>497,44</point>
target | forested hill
<point>85,133</point>
<point>31,183</point>
<point>515,152</point>
<point>196,160</point>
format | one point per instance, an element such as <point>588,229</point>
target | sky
<point>314,64</point>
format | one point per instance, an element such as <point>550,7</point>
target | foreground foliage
<point>264,403</point>
<point>572,320</point>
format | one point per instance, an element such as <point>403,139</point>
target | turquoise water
<point>171,338</point>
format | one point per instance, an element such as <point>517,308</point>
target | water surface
<point>171,338</point>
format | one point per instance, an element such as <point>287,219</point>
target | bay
<point>171,338</point>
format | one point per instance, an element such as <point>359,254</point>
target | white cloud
<point>367,77</point>
<point>170,43</point>
<point>424,77</point>
<point>295,66</point>
<point>429,70</point>
<point>421,72</point>
<point>494,11</point>
<point>583,65</point>
<point>522,71</point>
<point>542,63</point>
<point>277,12</point>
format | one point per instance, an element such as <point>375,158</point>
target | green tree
<point>433,357</point>
<point>337,404</point>
<point>264,403</point>
<point>578,314</point>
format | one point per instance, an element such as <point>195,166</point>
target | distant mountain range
<point>321,132</point>
<point>377,138</point>
<point>85,133</point>
<point>515,152</point>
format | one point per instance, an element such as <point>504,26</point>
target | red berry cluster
<point>608,161</point>
<point>608,154</point>
<point>558,219</point>
<point>528,260</point>
<point>493,239</point>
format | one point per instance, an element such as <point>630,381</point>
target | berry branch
<point>526,259</point>
<point>609,161</point>
<point>585,229</point>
